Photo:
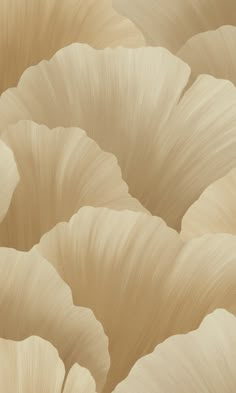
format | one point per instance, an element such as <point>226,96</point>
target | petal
<point>35,30</point>
<point>30,366</point>
<point>60,170</point>
<point>145,284</point>
<point>212,52</point>
<point>171,23</point>
<point>9,178</point>
<point>200,361</point>
<point>214,211</point>
<point>79,380</point>
<point>170,146</point>
<point>123,257</point>
<point>34,300</point>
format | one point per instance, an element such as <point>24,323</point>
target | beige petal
<point>30,366</point>
<point>142,283</point>
<point>214,211</point>
<point>34,300</point>
<point>170,23</point>
<point>200,361</point>
<point>60,170</point>
<point>9,178</point>
<point>79,380</point>
<point>129,101</point>
<point>212,52</point>
<point>35,30</point>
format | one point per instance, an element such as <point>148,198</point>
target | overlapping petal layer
<point>171,23</point>
<point>170,145</point>
<point>145,284</point>
<point>33,365</point>
<point>212,52</point>
<point>9,178</point>
<point>214,211</point>
<point>60,171</point>
<point>201,361</point>
<point>34,300</point>
<point>34,30</point>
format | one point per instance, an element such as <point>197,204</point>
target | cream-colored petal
<point>212,52</point>
<point>30,366</point>
<point>145,284</point>
<point>200,361</point>
<point>214,211</point>
<point>170,146</point>
<point>60,171</point>
<point>170,23</point>
<point>34,300</point>
<point>9,178</point>
<point>114,262</point>
<point>34,30</point>
<point>79,380</point>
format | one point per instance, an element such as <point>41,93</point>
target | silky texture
<point>212,52</point>
<point>170,145</point>
<point>214,211</point>
<point>60,171</point>
<point>200,361</point>
<point>34,30</point>
<point>147,285</point>
<point>171,23</point>
<point>33,365</point>
<point>34,300</point>
<point>9,178</point>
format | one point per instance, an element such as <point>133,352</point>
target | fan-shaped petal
<point>34,300</point>
<point>34,30</point>
<point>171,23</point>
<point>9,178</point>
<point>79,380</point>
<point>170,145</point>
<point>214,211</point>
<point>60,171</point>
<point>212,52</point>
<point>146,284</point>
<point>200,361</point>
<point>30,366</point>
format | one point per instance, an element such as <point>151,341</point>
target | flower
<point>171,142</point>
<point>32,30</point>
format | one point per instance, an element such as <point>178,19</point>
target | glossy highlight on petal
<point>200,361</point>
<point>33,30</point>
<point>60,171</point>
